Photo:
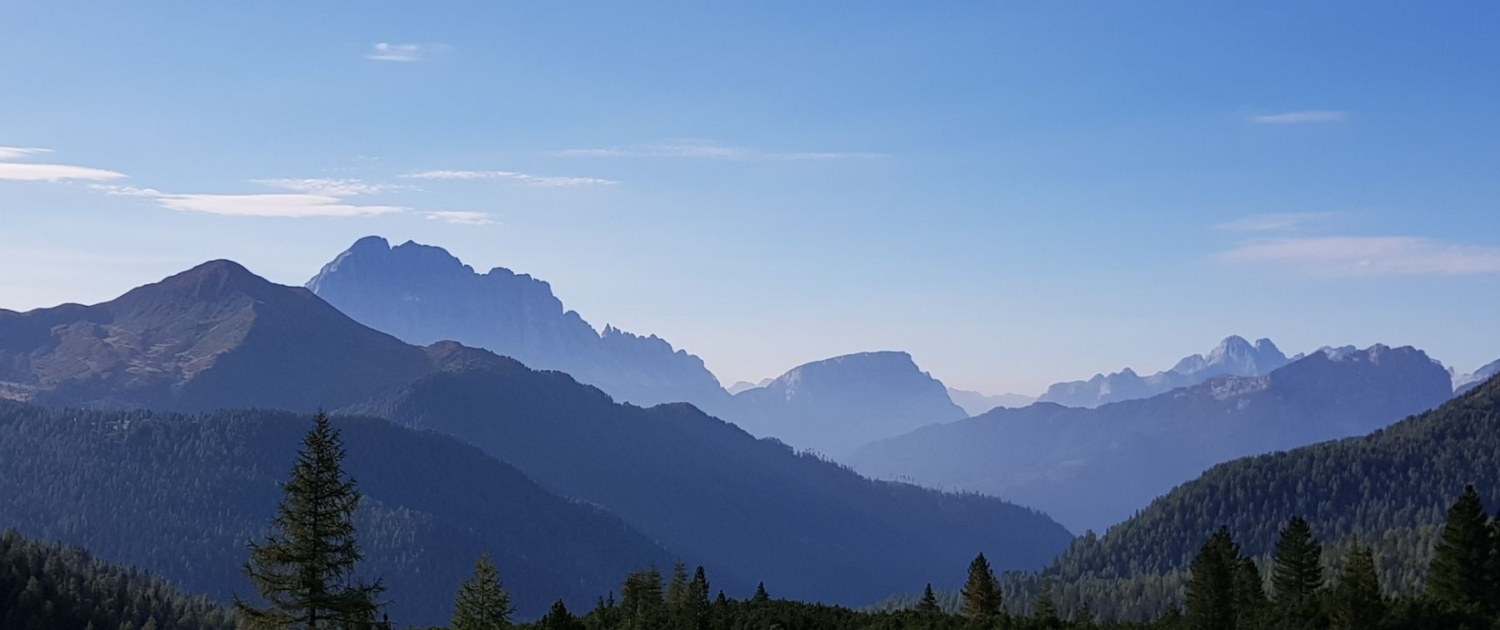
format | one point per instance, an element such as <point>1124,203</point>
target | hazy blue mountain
<point>740,386</point>
<point>834,405</point>
<point>1466,382</point>
<point>182,495</point>
<point>1234,357</point>
<point>700,487</point>
<point>422,295</point>
<point>975,403</point>
<point>1091,468</point>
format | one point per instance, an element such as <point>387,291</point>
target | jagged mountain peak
<point>1234,356</point>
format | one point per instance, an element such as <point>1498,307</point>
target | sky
<point>1014,193</point>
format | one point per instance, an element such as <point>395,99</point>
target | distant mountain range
<point>423,294</point>
<point>219,337</point>
<point>1091,468</point>
<point>833,406</point>
<point>975,403</point>
<point>1233,357</point>
<point>1467,382</point>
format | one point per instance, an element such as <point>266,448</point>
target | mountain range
<point>975,403</point>
<point>217,337</point>
<point>1092,468</point>
<point>1234,357</point>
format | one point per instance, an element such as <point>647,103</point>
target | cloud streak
<point>274,205</point>
<point>11,170</point>
<point>701,150</point>
<point>540,181</point>
<point>406,53</point>
<point>330,187</point>
<point>1336,257</point>
<point>461,218</point>
<point>1304,117</point>
<point>1279,222</point>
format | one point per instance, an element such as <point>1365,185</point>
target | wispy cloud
<point>330,187</point>
<point>511,176</point>
<point>1334,257</point>
<point>1280,222</point>
<point>461,218</point>
<point>1304,117</point>
<point>275,205</point>
<point>32,172</point>
<point>386,51</point>
<point>705,150</point>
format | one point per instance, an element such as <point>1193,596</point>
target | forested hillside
<point>181,496</point>
<point>45,586</point>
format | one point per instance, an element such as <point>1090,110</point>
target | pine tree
<point>677,587</point>
<point>1460,577</point>
<point>558,618</point>
<point>1249,594</point>
<point>482,603</point>
<point>982,604</point>
<point>641,599</point>
<point>1084,617</point>
<point>1044,609</point>
<point>1210,590</point>
<point>928,605</point>
<point>1297,571</point>
<point>304,569</point>
<point>1357,603</point>
<point>761,596</point>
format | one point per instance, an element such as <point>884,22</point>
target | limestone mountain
<point>1092,468</point>
<point>422,295</point>
<point>1234,357</point>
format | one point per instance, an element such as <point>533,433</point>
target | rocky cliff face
<point>423,294</point>
<point>1234,356</point>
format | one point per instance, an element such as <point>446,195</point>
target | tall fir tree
<point>982,604</point>
<point>304,570</point>
<point>928,605</point>
<point>760,596</point>
<point>1297,568</point>
<point>558,618</point>
<point>641,600</point>
<point>482,602</point>
<point>1461,574</point>
<point>1044,609</point>
<point>677,587</point>
<point>1356,602</point>
<point>1210,590</point>
<point>1249,594</point>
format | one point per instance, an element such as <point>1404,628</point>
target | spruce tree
<point>1249,594</point>
<point>1044,609</point>
<point>1297,570</point>
<point>1210,590</point>
<point>482,603</point>
<point>1460,577</point>
<point>928,605</point>
<point>304,568</point>
<point>641,600</point>
<point>760,596</point>
<point>558,618</point>
<point>677,587</point>
<point>1356,602</point>
<point>982,604</point>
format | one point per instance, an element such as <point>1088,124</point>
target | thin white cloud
<point>1279,222</point>
<point>288,206</point>
<point>461,218</point>
<point>1304,117</point>
<point>1367,256</point>
<point>330,187</point>
<point>704,150</point>
<point>52,173</point>
<point>511,176</point>
<point>406,53</point>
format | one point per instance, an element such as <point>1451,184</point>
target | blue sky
<point>1016,193</point>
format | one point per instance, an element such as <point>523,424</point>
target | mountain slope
<point>182,495</point>
<point>1092,468</point>
<point>1233,357</point>
<point>706,490</point>
<point>809,528</point>
<point>835,405</point>
<point>211,337</point>
<point>1467,382</point>
<point>422,294</point>
<point>50,586</point>
<point>975,403</point>
<point>1392,487</point>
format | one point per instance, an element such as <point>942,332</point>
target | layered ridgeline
<point>1233,357</point>
<point>1467,382</point>
<point>1092,468</point>
<point>1391,488</point>
<point>183,495</point>
<point>975,403</point>
<point>218,336</point>
<point>423,294</point>
<point>50,586</point>
<point>833,406</point>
